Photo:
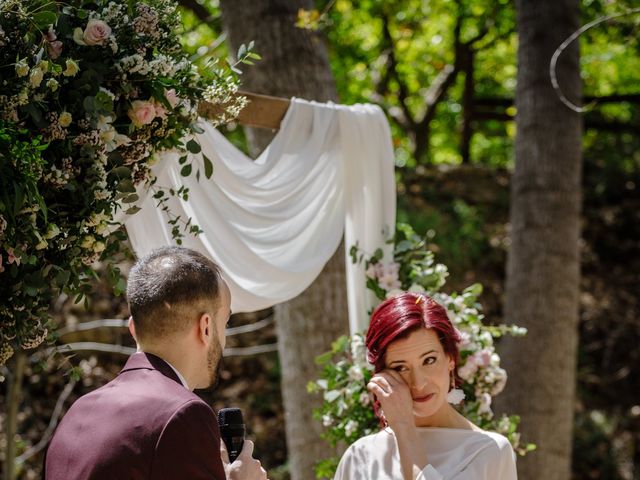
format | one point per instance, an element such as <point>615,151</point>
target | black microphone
<point>231,430</point>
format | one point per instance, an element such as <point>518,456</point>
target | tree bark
<point>294,63</point>
<point>14,396</point>
<point>543,267</point>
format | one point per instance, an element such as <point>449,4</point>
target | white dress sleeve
<point>496,462</point>
<point>351,466</point>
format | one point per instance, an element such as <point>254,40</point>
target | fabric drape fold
<point>273,223</point>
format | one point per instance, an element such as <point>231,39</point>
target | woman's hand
<point>394,396</point>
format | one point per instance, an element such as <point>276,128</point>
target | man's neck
<point>176,360</point>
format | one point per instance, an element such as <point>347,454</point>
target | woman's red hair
<point>398,316</point>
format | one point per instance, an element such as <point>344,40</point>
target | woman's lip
<point>426,398</point>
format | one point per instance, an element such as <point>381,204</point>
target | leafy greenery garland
<point>347,411</point>
<point>91,92</point>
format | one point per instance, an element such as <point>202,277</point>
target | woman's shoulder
<point>467,438</point>
<point>374,440</point>
<point>498,444</point>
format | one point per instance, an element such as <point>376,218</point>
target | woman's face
<point>421,361</point>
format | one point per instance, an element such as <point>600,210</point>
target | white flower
<point>52,231</point>
<point>99,247</point>
<point>468,370</point>
<point>485,404</point>
<point>465,338</point>
<point>327,420</point>
<point>355,373</point>
<point>500,381</point>
<point>22,68</point>
<point>350,428</point>
<point>417,288</point>
<point>42,244</point>
<point>52,84</point>
<point>109,135</point>
<point>71,69</point>
<point>65,119</point>
<point>87,242</point>
<point>35,77</point>
<point>102,228</point>
<point>365,399</point>
<point>97,218</point>
<point>455,396</point>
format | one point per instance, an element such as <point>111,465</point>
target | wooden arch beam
<point>262,111</point>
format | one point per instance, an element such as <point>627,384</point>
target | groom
<point>147,423</point>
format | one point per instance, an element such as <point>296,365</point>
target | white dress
<point>454,454</point>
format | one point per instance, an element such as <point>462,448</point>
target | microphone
<point>231,430</point>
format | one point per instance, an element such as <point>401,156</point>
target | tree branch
<point>200,11</point>
<point>407,118</point>
<point>55,417</point>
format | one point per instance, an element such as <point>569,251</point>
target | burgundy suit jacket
<point>144,424</point>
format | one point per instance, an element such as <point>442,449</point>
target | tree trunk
<point>14,396</point>
<point>543,267</point>
<point>294,63</point>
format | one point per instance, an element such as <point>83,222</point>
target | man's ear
<point>132,328</point>
<point>205,328</point>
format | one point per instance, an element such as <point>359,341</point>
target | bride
<point>413,347</point>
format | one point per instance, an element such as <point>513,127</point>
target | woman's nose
<point>418,380</point>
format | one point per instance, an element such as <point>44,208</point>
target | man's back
<point>144,424</point>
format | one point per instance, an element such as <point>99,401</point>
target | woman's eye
<point>399,369</point>
<point>430,360</point>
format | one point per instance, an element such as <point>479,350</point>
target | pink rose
<point>96,33</point>
<point>54,49</point>
<point>172,97</point>
<point>142,112</point>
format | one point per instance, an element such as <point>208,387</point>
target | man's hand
<point>245,466</point>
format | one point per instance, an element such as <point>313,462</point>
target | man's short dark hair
<point>170,287</point>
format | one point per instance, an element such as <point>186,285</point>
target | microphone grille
<point>230,416</point>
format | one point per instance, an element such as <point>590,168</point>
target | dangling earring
<point>455,395</point>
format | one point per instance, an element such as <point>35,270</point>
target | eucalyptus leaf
<point>208,166</point>
<point>186,170</point>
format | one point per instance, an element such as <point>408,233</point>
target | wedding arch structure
<point>272,223</point>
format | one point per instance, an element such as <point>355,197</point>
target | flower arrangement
<point>347,411</point>
<point>91,92</point>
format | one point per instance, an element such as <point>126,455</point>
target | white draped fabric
<point>272,224</point>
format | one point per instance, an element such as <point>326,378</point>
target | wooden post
<point>262,111</point>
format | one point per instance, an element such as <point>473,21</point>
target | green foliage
<point>393,53</point>
<point>92,91</point>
